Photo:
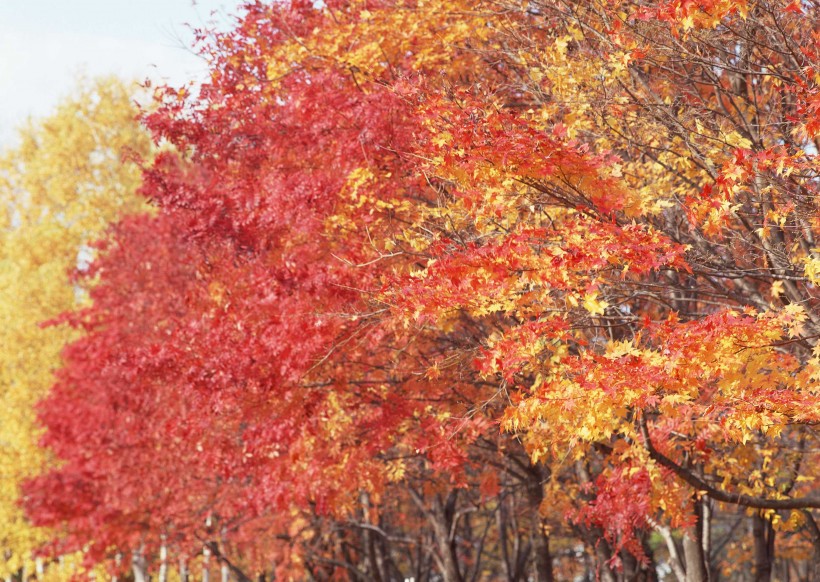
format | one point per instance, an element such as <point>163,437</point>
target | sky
<point>46,44</point>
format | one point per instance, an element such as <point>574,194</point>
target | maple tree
<point>389,229</point>
<point>651,270</point>
<point>656,274</point>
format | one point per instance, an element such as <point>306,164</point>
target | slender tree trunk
<point>441,517</point>
<point>163,562</point>
<point>501,524</point>
<point>693,555</point>
<point>206,558</point>
<point>139,566</point>
<point>707,508</point>
<point>373,561</point>
<point>763,535</point>
<point>420,557</point>
<point>183,570</point>
<point>674,556</point>
<point>444,514</point>
<point>540,539</point>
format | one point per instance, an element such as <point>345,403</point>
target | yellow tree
<point>62,184</point>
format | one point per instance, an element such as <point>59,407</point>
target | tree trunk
<point>163,563</point>
<point>374,565</point>
<point>441,517</point>
<point>139,567</point>
<point>693,555</point>
<point>763,534</point>
<point>707,508</point>
<point>206,558</point>
<point>444,514</point>
<point>542,557</point>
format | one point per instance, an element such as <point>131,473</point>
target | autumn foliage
<point>61,186</point>
<point>460,291</point>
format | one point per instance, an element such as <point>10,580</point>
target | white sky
<point>46,44</point>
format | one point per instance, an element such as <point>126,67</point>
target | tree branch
<point>716,494</point>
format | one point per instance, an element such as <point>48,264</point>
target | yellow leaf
<point>593,304</point>
<point>777,289</point>
<point>734,139</point>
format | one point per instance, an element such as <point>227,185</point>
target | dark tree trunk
<point>763,534</point>
<point>541,541</point>
<point>444,514</point>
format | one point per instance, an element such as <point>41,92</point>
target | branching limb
<point>717,494</point>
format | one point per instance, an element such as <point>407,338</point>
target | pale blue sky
<point>46,44</point>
